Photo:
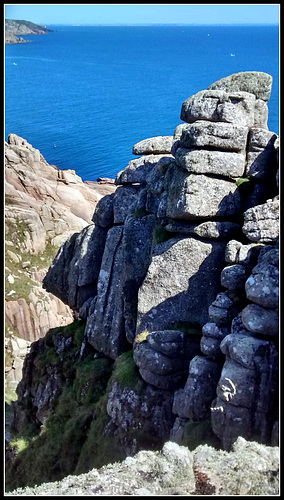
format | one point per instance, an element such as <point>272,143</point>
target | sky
<point>85,14</point>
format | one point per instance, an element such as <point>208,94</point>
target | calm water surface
<point>85,95</point>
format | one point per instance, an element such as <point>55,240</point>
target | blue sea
<point>84,95</point>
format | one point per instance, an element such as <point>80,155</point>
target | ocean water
<point>84,95</point>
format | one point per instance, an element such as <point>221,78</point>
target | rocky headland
<point>175,289</point>
<point>15,28</point>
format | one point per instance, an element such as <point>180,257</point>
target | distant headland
<point>14,27</point>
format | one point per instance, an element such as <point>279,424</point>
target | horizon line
<point>163,24</point>
<point>148,24</point>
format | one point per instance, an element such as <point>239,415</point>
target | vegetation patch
<point>21,267</point>
<point>197,433</point>
<point>161,234</point>
<point>53,451</point>
<point>125,372</point>
<point>141,337</point>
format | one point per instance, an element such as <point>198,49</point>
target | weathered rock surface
<point>220,106</point>
<point>249,469</point>
<point>154,145</point>
<point>254,82</point>
<point>54,203</point>
<point>31,320</point>
<point>261,223</point>
<point>139,169</point>
<point>82,255</point>
<point>176,285</point>
<point>211,162</point>
<point>224,136</point>
<point>191,196</point>
<point>164,356</point>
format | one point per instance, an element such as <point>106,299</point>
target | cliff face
<point>178,278</point>
<point>15,27</point>
<point>43,207</point>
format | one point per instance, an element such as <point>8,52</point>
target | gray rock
<point>103,215</point>
<point>261,156</point>
<point>229,422</point>
<point>165,382</point>
<point>131,410</point>
<point>261,223</point>
<point>220,106</point>
<point>254,82</point>
<point>259,320</point>
<point>250,352</point>
<point>237,326</point>
<point>153,145</point>
<point>105,326</point>
<point>174,343</point>
<point>150,359</point>
<point>222,310</point>
<point>211,347</point>
<point>220,230</point>
<point>238,253</point>
<point>190,196</point>
<point>214,331</point>
<point>211,162</point>
<point>125,202</point>
<point>217,135</point>
<point>73,275</point>
<point>200,389</point>
<point>138,170</point>
<point>237,384</point>
<point>176,138</point>
<point>137,247</point>
<point>260,114</point>
<point>176,285</point>
<point>233,277</point>
<point>269,254</point>
<point>260,139</point>
<point>262,286</point>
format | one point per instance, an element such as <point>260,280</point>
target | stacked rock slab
<point>158,277</point>
<point>240,340</point>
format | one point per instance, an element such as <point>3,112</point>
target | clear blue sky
<point>46,14</point>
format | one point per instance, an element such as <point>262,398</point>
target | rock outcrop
<point>180,272</point>
<point>43,207</point>
<point>14,27</point>
<point>249,469</point>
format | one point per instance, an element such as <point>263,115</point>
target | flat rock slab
<point>182,281</point>
<point>153,145</point>
<point>192,196</point>
<point>218,105</point>
<point>254,82</point>
<point>224,136</point>
<point>138,170</point>
<point>211,162</point>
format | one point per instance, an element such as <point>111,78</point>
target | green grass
<point>22,286</point>
<point>197,433</point>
